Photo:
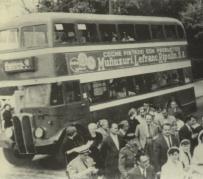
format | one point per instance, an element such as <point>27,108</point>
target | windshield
<point>34,36</point>
<point>37,95</point>
<point>9,39</point>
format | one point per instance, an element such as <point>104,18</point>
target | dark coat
<point>185,133</point>
<point>135,173</point>
<point>160,149</point>
<point>7,118</point>
<point>110,156</point>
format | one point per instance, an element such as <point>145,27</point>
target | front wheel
<point>14,158</point>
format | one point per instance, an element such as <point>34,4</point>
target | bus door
<point>77,108</point>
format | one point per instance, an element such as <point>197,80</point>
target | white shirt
<point>143,171</point>
<point>167,141</point>
<point>115,140</point>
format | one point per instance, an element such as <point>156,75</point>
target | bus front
<point>42,103</point>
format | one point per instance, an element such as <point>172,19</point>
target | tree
<point>171,8</point>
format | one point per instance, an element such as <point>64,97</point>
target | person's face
<point>148,119</point>
<point>93,129</point>
<point>192,121</point>
<point>173,104</point>
<point>174,128</point>
<point>126,127</point>
<point>142,112</point>
<point>132,142</point>
<point>144,161</point>
<point>8,107</point>
<point>175,157</point>
<point>166,130</point>
<point>114,129</point>
<point>84,155</point>
<point>186,148</point>
<point>105,125</point>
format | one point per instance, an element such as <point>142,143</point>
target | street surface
<point>44,167</point>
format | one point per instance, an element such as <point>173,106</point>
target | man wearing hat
<point>127,155</point>
<point>83,166</point>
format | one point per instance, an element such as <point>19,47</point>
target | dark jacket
<point>135,173</point>
<point>185,133</point>
<point>160,149</point>
<point>7,118</point>
<point>110,155</point>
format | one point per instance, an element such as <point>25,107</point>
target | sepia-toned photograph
<point>101,89</point>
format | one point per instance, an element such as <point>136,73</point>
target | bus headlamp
<point>9,132</point>
<point>39,132</point>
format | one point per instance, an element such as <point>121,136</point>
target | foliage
<point>172,8</point>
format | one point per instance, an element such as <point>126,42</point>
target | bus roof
<point>54,16</point>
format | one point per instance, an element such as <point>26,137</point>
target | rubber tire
<point>14,158</point>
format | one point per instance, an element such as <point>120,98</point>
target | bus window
<point>170,31</point>
<point>99,91</point>
<point>142,32</point>
<point>64,33</point>
<point>180,30</point>
<point>56,94</point>
<point>9,39</point>
<point>126,32</point>
<point>108,32</point>
<point>34,36</point>
<point>157,32</point>
<point>72,91</point>
<point>37,95</point>
<point>88,33</point>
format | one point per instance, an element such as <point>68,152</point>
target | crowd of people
<point>152,143</point>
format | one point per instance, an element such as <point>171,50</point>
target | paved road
<point>44,167</point>
<point>41,167</point>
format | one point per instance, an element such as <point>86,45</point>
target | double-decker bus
<point>61,68</point>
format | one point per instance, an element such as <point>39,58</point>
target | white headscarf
<point>199,140</point>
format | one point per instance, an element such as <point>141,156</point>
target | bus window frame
<point>65,102</point>
<point>158,39</point>
<point>150,34</point>
<point>79,34</point>
<point>35,47</point>
<point>19,39</point>
<point>62,21</point>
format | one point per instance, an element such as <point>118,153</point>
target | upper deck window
<point>127,33</point>
<point>157,32</point>
<point>142,32</point>
<point>65,34</point>
<point>9,39</point>
<point>88,33</point>
<point>170,31</point>
<point>108,32</point>
<point>34,36</point>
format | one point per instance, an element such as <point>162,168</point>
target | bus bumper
<point>49,146</point>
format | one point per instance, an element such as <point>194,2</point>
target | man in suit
<point>161,145</point>
<point>143,169</point>
<point>185,132</point>
<point>110,153</point>
<point>146,131</point>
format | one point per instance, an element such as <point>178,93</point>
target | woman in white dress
<point>197,160</point>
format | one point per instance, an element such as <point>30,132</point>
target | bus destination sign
<point>84,62</point>
<point>19,65</point>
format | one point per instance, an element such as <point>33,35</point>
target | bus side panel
<point>186,98</point>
